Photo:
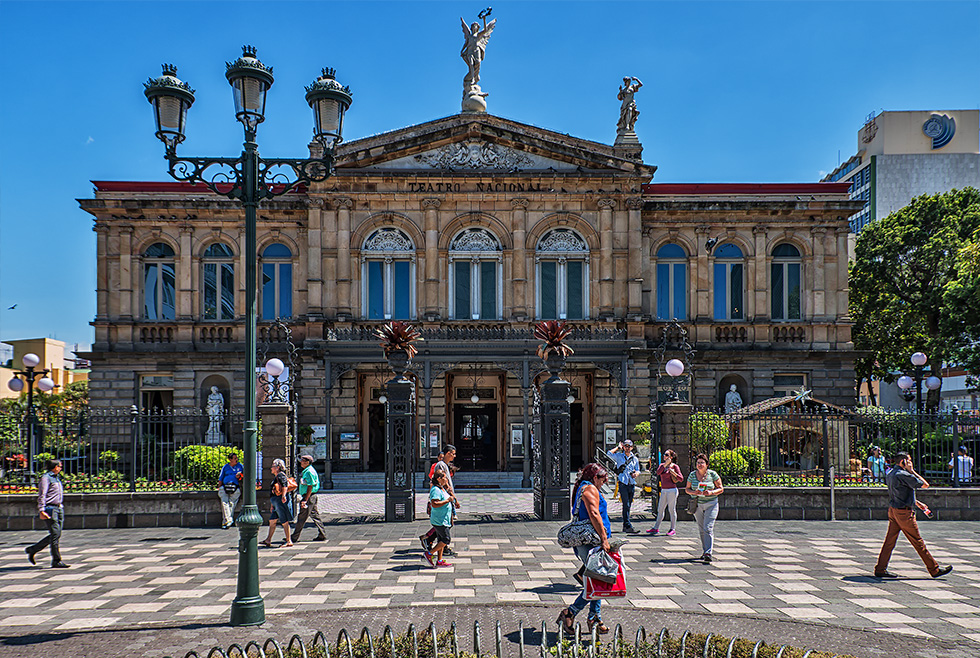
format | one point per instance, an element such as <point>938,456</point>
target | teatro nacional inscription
<point>429,187</point>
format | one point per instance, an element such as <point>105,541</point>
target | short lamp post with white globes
<point>45,385</point>
<point>905,383</point>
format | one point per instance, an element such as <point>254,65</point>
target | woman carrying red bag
<point>593,507</point>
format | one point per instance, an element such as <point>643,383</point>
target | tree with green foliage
<point>709,432</point>
<point>907,275</point>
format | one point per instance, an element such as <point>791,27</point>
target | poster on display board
<point>517,440</point>
<point>612,434</point>
<point>350,445</point>
<point>321,449</point>
<point>430,448</point>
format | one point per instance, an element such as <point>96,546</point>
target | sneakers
<point>59,565</point>
<point>427,556</point>
<point>653,531</point>
<point>629,528</point>
<point>448,551</point>
<point>30,556</point>
<point>670,533</point>
<point>443,563</point>
<point>424,540</point>
<point>707,558</point>
<point>889,574</point>
<point>943,571</point>
<point>320,538</point>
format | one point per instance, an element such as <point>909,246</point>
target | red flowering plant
<point>16,461</point>
<point>553,333</point>
<point>397,336</point>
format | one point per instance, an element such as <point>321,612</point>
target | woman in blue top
<point>588,503</point>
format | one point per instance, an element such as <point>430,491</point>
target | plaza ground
<point>165,591</point>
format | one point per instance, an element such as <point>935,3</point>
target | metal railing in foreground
<point>432,644</point>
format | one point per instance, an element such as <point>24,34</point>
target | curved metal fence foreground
<point>432,644</point>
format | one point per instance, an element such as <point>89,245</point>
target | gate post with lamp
<point>552,451</point>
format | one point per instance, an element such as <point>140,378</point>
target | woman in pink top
<point>670,474</point>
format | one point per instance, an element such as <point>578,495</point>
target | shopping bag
<point>601,566</point>
<point>597,589</point>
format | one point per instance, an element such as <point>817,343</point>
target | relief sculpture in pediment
<point>474,155</point>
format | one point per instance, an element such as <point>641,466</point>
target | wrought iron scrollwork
<point>277,338</point>
<point>227,176</point>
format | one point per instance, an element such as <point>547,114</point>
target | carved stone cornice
<point>519,203</point>
<point>608,204</point>
<point>431,204</point>
<point>101,228</point>
<point>635,203</point>
<point>343,202</point>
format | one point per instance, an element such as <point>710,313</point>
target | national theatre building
<point>474,227</point>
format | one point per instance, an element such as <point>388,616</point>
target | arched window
<point>671,283</point>
<point>786,283</point>
<point>159,282</point>
<point>563,275</point>
<point>729,283</point>
<point>218,274</point>
<point>474,275</point>
<point>387,273</point>
<point>277,282</point>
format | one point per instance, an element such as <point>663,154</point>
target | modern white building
<point>902,155</point>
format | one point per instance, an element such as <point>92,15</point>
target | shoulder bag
<point>579,532</point>
<point>230,488</point>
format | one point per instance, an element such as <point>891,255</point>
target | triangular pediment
<point>483,144</point>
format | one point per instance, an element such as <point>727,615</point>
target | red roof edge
<point>166,186</point>
<point>746,188</point>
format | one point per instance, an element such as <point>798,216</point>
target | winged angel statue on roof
<point>473,51</point>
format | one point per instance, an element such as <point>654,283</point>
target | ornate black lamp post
<point>249,179</point>
<point>905,383</point>
<point>46,385</point>
<point>552,450</point>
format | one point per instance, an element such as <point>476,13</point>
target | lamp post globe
<point>933,383</point>
<point>919,359</point>
<point>45,384</point>
<point>16,384</point>
<point>275,367</point>
<point>675,367</point>
<point>250,80</point>
<point>474,398</point>
<point>31,360</point>
<point>905,382</point>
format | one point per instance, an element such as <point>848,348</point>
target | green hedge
<point>202,463</point>
<point>755,458</point>
<point>729,465</point>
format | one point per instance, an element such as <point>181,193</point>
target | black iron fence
<point>811,445</point>
<point>119,449</point>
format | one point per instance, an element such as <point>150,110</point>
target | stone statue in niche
<point>473,51</point>
<point>215,409</point>
<point>733,401</point>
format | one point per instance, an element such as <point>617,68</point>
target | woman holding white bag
<point>588,503</point>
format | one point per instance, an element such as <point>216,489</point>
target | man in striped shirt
<point>50,496</point>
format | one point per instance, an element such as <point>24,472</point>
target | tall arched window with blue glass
<point>159,282</point>
<point>387,272</point>
<point>474,275</point>
<point>671,283</point>
<point>729,284</point>
<point>562,258</point>
<point>218,273</point>
<point>277,282</point>
<point>786,279</point>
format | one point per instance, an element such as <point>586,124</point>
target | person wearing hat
<point>876,464</point>
<point>627,468</point>
<point>962,466</point>
<point>309,486</point>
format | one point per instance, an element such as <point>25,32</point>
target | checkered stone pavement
<point>779,570</point>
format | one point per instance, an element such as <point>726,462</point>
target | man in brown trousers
<point>902,482</point>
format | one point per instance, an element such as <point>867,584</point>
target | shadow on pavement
<point>42,638</point>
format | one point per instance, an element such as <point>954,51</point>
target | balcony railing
<point>467,331</point>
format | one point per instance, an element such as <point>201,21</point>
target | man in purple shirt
<point>50,495</point>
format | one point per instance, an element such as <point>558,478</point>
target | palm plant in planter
<point>397,340</point>
<point>553,351</point>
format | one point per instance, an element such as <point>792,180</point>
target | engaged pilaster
<point>519,261</point>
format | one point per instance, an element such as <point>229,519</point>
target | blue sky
<point>758,91</point>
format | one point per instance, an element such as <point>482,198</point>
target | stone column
<point>430,208</point>
<point>276,442</point>
<point>518,265</point>
<point>817,275</point>
<point>606,207</point>
<point>102,272</point>
<point>703,312</point>
<point>187,291</point>
<point>759,290</point>
<point>635,257</point>
<point>314,259</point>
<point>553,462</point>
<point>648,302</point>
<point>344,273</point>
<point>401,434</point>
<point>128,298</point>
<point>843,312</point>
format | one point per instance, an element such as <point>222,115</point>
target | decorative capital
<point>702,229</point>
<point>343,202</point>
<point>431,204</point>
<point>636,203</point>
<point>316,202</point>
<point>519,203</point>
<point>819,231</point>
<point>609,204</point>
<point>760,229</point>
<point>101,228</point>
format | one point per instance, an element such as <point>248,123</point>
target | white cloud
<point>89,140</point>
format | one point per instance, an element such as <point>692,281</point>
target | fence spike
<point>302,646</point>
<point>755,649</point>
<point>684,644</point>
<point>415,641</point>
<point>343,634</point>
<point>781,650</point>
<point>707,644</point>
<point>435,645</point>
<point>576,647</point>
<point>731,647</point>
<point>366,632</point>
<point>318,637</point>
<point>498,641</point>
<point>390,634</point>
<point>453,639</point>
<point>660,642</point>
<point>476,637</point>
<point>235,647</point>
<point>617,638</point>
<point>275,644</point>
<point>636,643</point>
<point>543,647</point>
<point>249,646</point>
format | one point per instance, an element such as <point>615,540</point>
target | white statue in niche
<point>215,409</point>
<point>733,401</point>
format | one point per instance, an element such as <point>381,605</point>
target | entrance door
<point>376,437</point>
<point>475,436</point>
<point>580,455</point>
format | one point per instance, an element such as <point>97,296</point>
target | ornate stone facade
<point>475,226</point>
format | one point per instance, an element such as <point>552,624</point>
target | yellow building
<point>52,354</point>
